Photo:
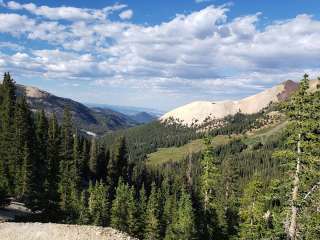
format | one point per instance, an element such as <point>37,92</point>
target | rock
<point>51,231</point>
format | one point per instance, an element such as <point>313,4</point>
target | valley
<point>154,180</point>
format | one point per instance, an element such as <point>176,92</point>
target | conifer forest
<point>245,188</point>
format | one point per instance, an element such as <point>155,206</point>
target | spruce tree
<point>69,194</point>
<point>7,144</point>
<point>84,214</point>
<point>93,159</point>
<point>133,221</point>
<point>301,155</point>
<point>24,143</point>
<point>37,198</point>
<point>98,205</point>
<point>119,210</point>
<point>142,206</point>
<point>54,141</point>
<point>208,186</point>
<point>152,229</point>
<point>251,211</point>
<point>182,226</point>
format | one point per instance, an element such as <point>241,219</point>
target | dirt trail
<point>50,231</point>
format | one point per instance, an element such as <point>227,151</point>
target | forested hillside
<point>95,120</point>
<point>242,188</point>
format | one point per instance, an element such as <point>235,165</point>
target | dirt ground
<point>50,231</point>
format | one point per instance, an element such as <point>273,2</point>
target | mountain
<point>89,120</point>
<point>143,117</point>
<point>128,110</point>
<point>201,111</point>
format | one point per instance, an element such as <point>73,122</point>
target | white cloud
<point>199,53</point>
<point>15,24</point>
<point>67,13</point>
<point>127,14</point>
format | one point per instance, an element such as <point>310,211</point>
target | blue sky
<point>158,54</point>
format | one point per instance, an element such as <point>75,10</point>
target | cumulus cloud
<point>66,13</point>
<point>127,14</point>
<point>200,53</point>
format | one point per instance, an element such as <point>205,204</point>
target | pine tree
<point>37,198</point>
<point>69,194</point>
<point>98,204</point>
<point>301,154</point>
<point>119,210</point>
<point>152,216</point>
<point>54,140</point>
<point>208,185</point>
<point>121,158</point>
<point>132,213</point>
<point>84,214</point>
<point>7,149</point>
<point>251,211</point>
<point>93,159</point>
<point>24,143</point>
<point>84,160</point>
<point>229,191</point>
<point>182,226</point>
<point>142,206</point>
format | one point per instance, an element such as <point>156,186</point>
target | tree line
<point>239,190</point>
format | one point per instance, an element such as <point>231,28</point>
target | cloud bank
<point>203,53</point>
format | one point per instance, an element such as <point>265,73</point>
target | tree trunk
<point>292,234</point>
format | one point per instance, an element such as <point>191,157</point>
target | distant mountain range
<point>197,113</point>
<point>91,120</point>
<point>128,110</point>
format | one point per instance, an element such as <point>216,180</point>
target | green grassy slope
<point>174,154</point>
<point>164,155</point>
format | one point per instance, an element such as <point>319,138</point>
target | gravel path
<point>50,231</point>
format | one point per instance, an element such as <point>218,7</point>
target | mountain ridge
<point>89,120</point>
<point>199,112</point>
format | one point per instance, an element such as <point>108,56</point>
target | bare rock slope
<point>198,112</point>
<point>49,231</point>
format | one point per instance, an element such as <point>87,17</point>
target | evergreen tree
<point>152,216</point>
<point>37,198</point>
<point>208,185</point>
<point>7,141</point>
<point>182,226</point>
<point>84,160</point>
<point>121,158</point>
<point>251,211</point>
<point>133,221</point>
<point>103,158</point>
<point>24,142</point>
<point>54,141</point>
<point>117,165</point>
<point>93,159</point>
<point>119,210</point>
<point>98,205</point>
<point>69,196</point>
<point>301,154</point>
<point>84,214</point>
<point>142,206</point>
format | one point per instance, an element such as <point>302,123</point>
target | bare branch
<point>313,189</point>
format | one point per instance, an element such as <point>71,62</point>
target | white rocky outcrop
<point>199,111</point>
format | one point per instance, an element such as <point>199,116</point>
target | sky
<point>158,54</point>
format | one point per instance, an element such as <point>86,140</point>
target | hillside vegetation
<point>172,154</point>
<point>256,177</point>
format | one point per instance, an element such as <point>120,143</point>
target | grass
<point>263,134</point>
<point>173,154</point>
